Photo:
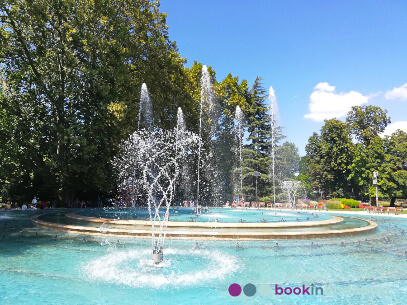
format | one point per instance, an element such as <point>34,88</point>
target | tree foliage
<point>339,167</point>
<point>329,157</point>
<point>367,122</point>
<point>257,151</point>
<point>70,79</point>
<point>73,72</point>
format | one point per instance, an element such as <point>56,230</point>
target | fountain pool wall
<point>250,224</point>
<point>43,266</point>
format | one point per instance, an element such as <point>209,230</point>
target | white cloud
<point>397,93</point>
<point>402,125</point>
<point>326,104</point>
<point>375,94</point>
<point>324,87</point>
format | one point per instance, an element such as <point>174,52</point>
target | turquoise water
<point>38,266</point>
<point>347,223</point>
<point>214,214</point>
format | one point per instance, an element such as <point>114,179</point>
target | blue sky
<point>321,57</point>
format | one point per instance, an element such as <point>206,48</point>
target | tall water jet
<point>206,112</point>
<point>145,114</point>
<point>144,120</point>
<point>156,155</point>
<point>184,183</point>
<point>180,120</point>
<point>239,116</point>
<point>274,118</point>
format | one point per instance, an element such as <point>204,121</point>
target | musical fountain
<point>156,154</point>
<point>89,256</point>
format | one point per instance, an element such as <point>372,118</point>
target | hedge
<point>349,202</point>
<point>331,204</point>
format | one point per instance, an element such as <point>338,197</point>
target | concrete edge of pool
<point>174,224</point>
<point>241,232</point>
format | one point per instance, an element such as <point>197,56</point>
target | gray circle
<point>249,290</point>
<point>265,290</point>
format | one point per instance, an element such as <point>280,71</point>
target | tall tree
<point>367,122</point>
<point>394,170</point>
<point>73,71</point>
<point>231,93</point>
<point>257,151</point>
<point>366,160</point>
<point>329,157</point>
<point>287,161</point>
<point>286,164</point>
<point>303,177</point>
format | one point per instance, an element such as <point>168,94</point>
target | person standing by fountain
<point>34,202</point>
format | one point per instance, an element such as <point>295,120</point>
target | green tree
<point>393,171</point>
<point>257,151</point>
<point>366,160</point>
<point>303,177</point>
<point>73,71</point>
<point>329,156</point>
<point>367,122</point>
<point>287,161</point>
<point>230,93</point>
<point>286,164</point>
<point>387,156</point>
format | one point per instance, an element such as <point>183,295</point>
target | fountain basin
<point>335,227</point>
<point>88,268</point>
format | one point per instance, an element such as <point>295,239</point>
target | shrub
<point>330,204</point>
<point>349,202</point>
<point>266,199</point>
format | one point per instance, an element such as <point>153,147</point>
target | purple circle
<point>235,290</point>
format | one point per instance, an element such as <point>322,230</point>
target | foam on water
<point>215,215</point>
<point>117,268</point>
<point>287,214</point>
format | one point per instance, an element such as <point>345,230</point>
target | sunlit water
<point>38,266</point>
<point>214,214</point>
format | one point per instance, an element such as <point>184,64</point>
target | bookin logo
<point>296,290</point>
<point>267,289</point>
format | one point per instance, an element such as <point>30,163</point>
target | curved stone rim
<point>219,225</point>
<point>208,235</point>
